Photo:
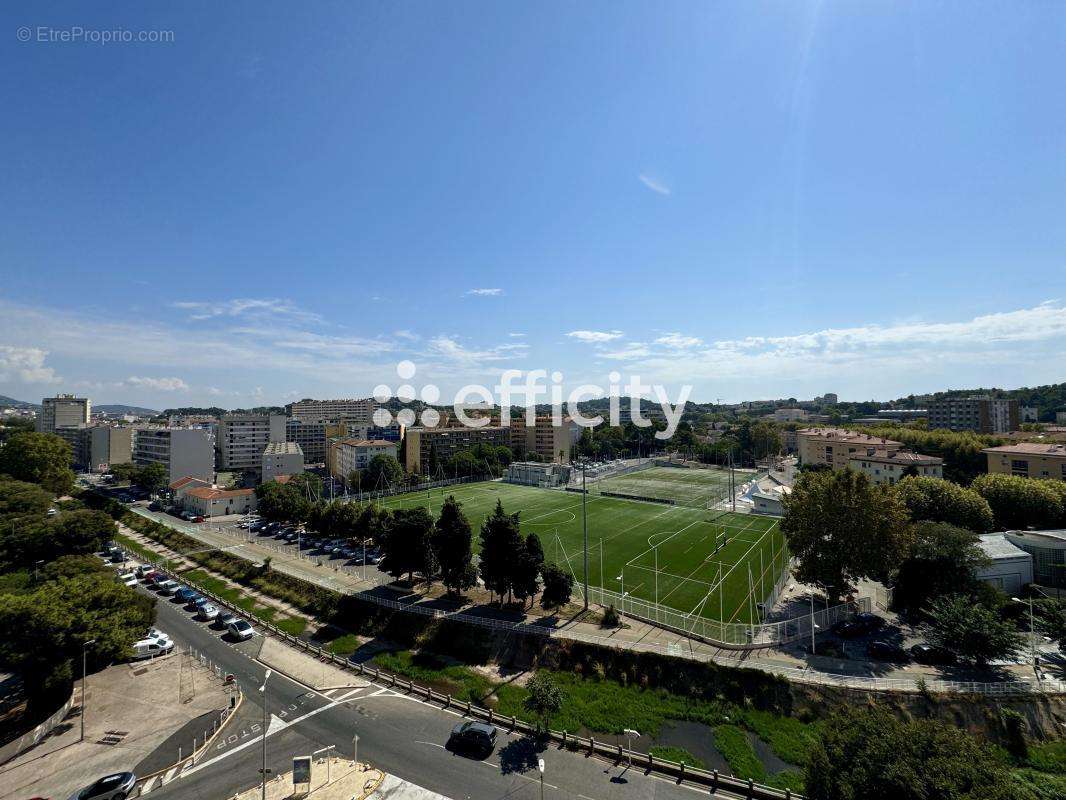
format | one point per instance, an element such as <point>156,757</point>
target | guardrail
<point>17,747</point>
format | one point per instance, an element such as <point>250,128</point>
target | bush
<point>611,618</point>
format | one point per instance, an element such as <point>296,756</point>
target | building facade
<point>185,452</point>
<point>1028,459</point>
<point>63,411</point>
<point>835,447</point>
<point>978,414</point>
<point>537,473</point>
<point>885,467</point>
<point>360,412</point>
<point>281,458</point>
<point>1009,568</point>
<point>1048,549</point>
<point>242,438</point>
<point>207,501</point>
<point>94,448</point>
<point>420,442</point>
<point>549,442</point>
<point>351,455</point>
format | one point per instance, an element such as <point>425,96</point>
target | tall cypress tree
<point>501,544</point>
<point>451,544</point>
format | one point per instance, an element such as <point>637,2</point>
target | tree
<point>291,500</point>
<point>41,458</point>
<point>544,698</point>
<point>558,586</point>
<point>124,473</point>
<point>21,498</point>
<point>974,632</point>
<point>943,560</point>
<point>500,541</point>
<point>873,755</point>
<point>1019,502</point>
<point>842,528</point>
<point>452,539</point>
<point>405,548</point>
<point>151,477</point>
<point>382,472</point>
<point>938,500</point>
<point>526,568</point>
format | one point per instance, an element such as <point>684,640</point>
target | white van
<point>150,648</point>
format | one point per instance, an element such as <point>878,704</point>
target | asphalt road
<point>398,734</point>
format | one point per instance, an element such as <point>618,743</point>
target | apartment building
<point>185,452</point>
<point>209,501</point>
<point>836,446</point>
<point>281,458</point>
<point>790,414</point>
<point>419,442</point>
<point>887,467</point>
<point>1028,459</point>
<point>361,412</point>
<point>549,442</point>
<point>978,414</point>
<point>94,448</point>
<point>242,438</point>
<point>63,411</point>
<point>349,455</point>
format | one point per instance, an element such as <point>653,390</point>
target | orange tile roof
<point>207,493</point>
<point>1029,448</point>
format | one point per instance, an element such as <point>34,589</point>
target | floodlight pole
<point>263,783</point>
<point>585,530</point>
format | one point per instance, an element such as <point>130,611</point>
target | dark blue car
<point>184,595</point>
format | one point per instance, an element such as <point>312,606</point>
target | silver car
<point>110,787</point>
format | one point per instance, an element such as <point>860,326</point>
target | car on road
<point>110,787</point>
<point>156,633</point>
<point>881,650</point>
<point>240,629</point>
<point>207,612</point>
<point>197,518</point>
<point>931,655</point>
<point>478,738</point>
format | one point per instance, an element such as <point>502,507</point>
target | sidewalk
<point>636,635</point>
<point>131,714</point>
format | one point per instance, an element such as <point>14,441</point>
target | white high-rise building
<point>63,411</point>
<point>242,438</point>
<point>361,412</point>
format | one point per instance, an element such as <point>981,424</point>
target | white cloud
<point>157,384</point>
<point>516,335</point>
<point>485,292</point>
<point>595,336</point>
<point>410,336</point>
<point>246,307</point>
<point>450,349</point>
<point>655,185</point>
<point>26,364</point>
<point>679,341</point>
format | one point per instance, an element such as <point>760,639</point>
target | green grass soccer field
<point>692,487</point>
<point>716,564</point>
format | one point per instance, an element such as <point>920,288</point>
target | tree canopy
<point>872,755</point>
<point>943,559</point>
<point>939,500</point>
<point>842,528</point>
<point>975,633</point>
<point>41,458</point>
<point>1019,502</point>
<point>452,547</point>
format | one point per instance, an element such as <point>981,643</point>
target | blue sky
<point>756,199</point>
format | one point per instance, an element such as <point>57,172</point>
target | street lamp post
<point>84,693</point>
<point>585,529</point>
<point>812,624</point>
<point>629,734</point>
<point>263,771</point>
<point>540,766</point>
<point>36,565</point>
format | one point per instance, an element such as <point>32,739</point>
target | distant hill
<point>11,402</point>
<point>118,410</point>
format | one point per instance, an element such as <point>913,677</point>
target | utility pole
<point>263,771</point>
<point>585,529</point>
<point>84,691</point>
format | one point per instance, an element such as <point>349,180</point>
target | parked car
<point>240,629</point>
<point>128,578</point>
<point>207,612</point>
<point>156,633</point>
<point>197,518</point>
<point>184,594</point>
<point>227,619</point>
<point>117,556</point>
<point>930,654</point>
<point>478,738</point>
<point>110,787</point>
<point>167,587</point>
<point>859,625</point>
<point>150,648</point>
<point>143,570</point>
<point>886,651</point>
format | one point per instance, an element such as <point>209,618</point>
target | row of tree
<point>152,478</point>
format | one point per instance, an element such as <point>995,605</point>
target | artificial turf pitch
<point>693,573</point>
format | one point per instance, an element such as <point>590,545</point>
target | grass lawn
<point>630,538</point>
<point>294,626</point>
